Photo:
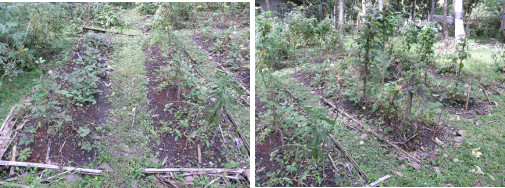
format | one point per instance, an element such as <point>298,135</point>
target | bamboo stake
<point>48,166</point>
<point>13,159</point>
<point>468,96</point>
<point>199,154</point>
<point>199,170</point>
<point>380,180</point>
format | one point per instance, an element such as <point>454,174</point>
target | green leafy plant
<point>24,154</point>
<point>83,131</point>
<point>84,79</point>
<point>25,140</point>
<point>499,58</point>
<point>461,54</point>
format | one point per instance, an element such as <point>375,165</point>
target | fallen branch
<point>380,137</point>
<point>194,61</point>
<point>353,162</point>
<point>380,180</point>
<point>211,182</point>
<point>198,170</point>
<point>104,31</point>
<point>485,93</point>
<point>48,166</point>
<point>333,162</point>
<point>244,140</point>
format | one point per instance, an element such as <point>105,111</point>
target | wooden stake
<point>199,154</point>
<point>468,96</point>
<point>13,159</point>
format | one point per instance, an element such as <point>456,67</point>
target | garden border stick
<point>49,166</point>
<point>380,180</point>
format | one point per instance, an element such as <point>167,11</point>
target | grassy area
<point>14,92</point>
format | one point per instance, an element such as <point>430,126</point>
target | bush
<point>24,29</point>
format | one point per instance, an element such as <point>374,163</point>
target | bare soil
<point>181,152</point>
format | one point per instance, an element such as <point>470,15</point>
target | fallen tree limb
<point>6,131</point>
<point>353,162</point>
<point>104,31</point>
<point>198,170</point>
<point>194,61</point>
<point>380,137</point>
<point>48,166</point>
<point>380,180</point>
<point>244,139</point>
<point>339,147</point>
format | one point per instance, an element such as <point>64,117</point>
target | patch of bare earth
<point>181,152</point>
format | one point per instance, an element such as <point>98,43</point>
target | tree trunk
<point>304,5</point>
<point>341,20</point>
<point>267,2</point>
<point>408,106</point>
<point>502,27</point>
<point>459,28</point>
<point>363,6</point>
<point>414,11</point>
<point>381,4</point>
<point>432,11</point>
<point>446,32</point>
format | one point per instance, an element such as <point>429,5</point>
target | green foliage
<point>25,140</point>
<point>456,94</point>
<point>83,131</point>
<point>146,8</point>
<point>499,58</point>
<point>99,41</point>
<point>223,92</point>
<point>108,16</point>
<point>26,28</point>
<point>84,79</point>
<point>173,14</point>
<point>271,41</point>
<point>461,54</point>
<point>316,130</point>
<point>426,42</point>
<point>23,155</point>
<point>410,32</point>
